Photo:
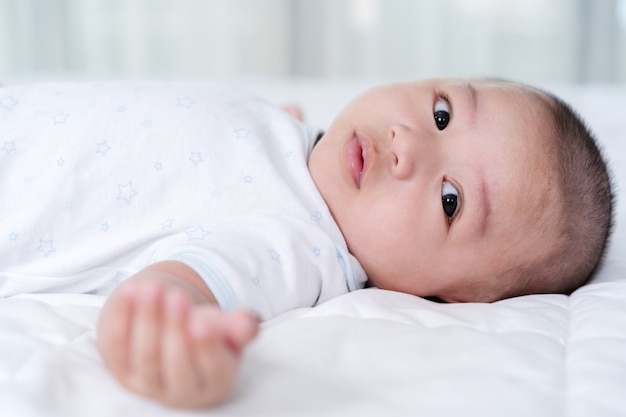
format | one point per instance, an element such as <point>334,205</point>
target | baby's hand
<point>160,344</point>
<point>294,110</point>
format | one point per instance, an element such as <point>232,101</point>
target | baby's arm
<point>163,336</point>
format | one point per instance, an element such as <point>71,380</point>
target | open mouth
<point>355,162</point>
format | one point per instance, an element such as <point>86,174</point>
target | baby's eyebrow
<point>473,94</point>
<point>484,209</point>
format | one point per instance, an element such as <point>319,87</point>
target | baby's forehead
<point>531,97</point>
<point>522,180</point>
<point>524,110</point>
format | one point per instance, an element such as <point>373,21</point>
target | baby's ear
<point>294,110</point>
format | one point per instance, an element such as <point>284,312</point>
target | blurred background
<point>537,41</point>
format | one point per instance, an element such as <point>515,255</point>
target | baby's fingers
<point>113,334</point>
<point>236,328</point>
<point>216,365</point>
<point>243,328</point>
<point>144,363</point>
<point>178,372</point>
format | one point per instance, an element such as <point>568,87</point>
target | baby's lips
<point>353,153</point>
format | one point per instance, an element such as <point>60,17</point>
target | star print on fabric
<point>316,216</point>
<point>256,281</point>
<point>185,102</point>
<point>242,133</point>
<point>248,179</point>
<point>9,146</point>
<point>8,103</point>
<point>119,277</point>
<point>317,252</point>
<point>167,224</point>
<point>104,227</point>
<point>199,233</point>
<point>158,166</point>
<point>60,162</point>
<point>274,255</point>
<point>126,192</point>
<point>60,118</point>
<point>46,247</point>
<point>13,237</point>
<point>196,158</point>
<point>103,148</point>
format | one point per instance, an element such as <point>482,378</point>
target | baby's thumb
<point>243,326</point>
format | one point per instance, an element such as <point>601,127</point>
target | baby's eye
<point>449,200</point>
<point>442,113</point>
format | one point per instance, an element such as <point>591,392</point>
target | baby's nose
<point>406,150</point>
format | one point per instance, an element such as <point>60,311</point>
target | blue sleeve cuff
<point>214,278</point>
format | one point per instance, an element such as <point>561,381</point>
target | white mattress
<point>370,352</point>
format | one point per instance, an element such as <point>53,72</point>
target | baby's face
<point>434,183</point>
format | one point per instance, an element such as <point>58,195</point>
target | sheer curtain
<point>533,40</point>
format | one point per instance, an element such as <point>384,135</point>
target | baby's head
<point>466,190</point>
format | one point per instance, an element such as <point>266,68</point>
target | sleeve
<point>268,263</point>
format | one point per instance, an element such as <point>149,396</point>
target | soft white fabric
<point>101,180</point>
<point>369,352</point>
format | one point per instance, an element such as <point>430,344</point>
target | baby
<point>458,190</point>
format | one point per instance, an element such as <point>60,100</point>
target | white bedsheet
<point>370,352</point>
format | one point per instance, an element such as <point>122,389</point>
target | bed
<point>369,352</point>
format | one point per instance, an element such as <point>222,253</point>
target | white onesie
<point>100,180</point>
